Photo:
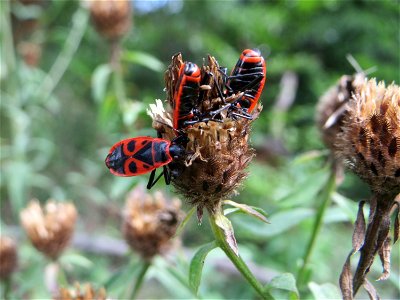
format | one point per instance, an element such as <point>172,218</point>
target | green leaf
<point>324,291</point>
<point>100,79</point>
<point>144,59</point>
<point>254,212</point>
<point>185,221</point>
<point>197,263</point>
<point>285,281</point>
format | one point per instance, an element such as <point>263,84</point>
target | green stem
<point>115,62</point>
<point>79,24</point>
<point>237,260</point>
<point>139,281</point>
<point>325,200</point>
<point>7,287</point>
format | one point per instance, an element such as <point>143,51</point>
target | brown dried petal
<point>359,228</point>
<point>226,226</point>
<point>346,279</point>
<point>384,255</point>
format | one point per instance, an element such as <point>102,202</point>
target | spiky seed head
<point>49,228</point>
<point>218,151</point>
<point>150,221</point>
<point>370,141</point>
<point>78,293</point>
<point>111,18</point>
<point>331,107</point>
<point>8,257</point>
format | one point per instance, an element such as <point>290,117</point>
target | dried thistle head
<point>8,257</point>
<point>217,152</point>
<point>331,107</point>
<point>111,18</point>
<point>150,221</point>
<point>87,293</point>
<point>370,141</point>
<point>50,228</point>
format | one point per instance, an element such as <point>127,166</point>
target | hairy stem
<point>237,260</point>
<point>139,281</point>
<point>325,200</point>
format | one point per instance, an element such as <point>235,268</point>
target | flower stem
<point>237,260</point>
<point>325,200</point>
<point>139,281</point>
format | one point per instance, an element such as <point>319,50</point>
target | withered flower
<point>112,18</point>
<point>370,141</point>
<point>50,229</point>
<point>87,293</point>
<point>218,150</point>
<point>369,144</point>
<point>8,257</point>
<point>150,221</point>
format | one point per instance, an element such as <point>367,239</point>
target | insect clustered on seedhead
<point>49,228</point>
<point>215,112</point>
<point>150,222</point>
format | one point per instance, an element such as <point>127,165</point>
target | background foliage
<point>58,123</point>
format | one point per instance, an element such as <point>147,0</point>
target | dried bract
<point>150,221</point>
<point>8,257</point>
<point>50,228</point>
<point>370,141</point>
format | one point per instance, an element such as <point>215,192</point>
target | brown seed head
<point>50,228</point>
<point>218,152</point>
<point>370,141</point>
<point>8,257</point>
<point>331,107</point>
<point>150,221</point>
<point>87,293</point>
<point>112,18</point>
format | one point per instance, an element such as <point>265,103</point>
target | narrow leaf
<point>144,59</point>
<point>185,221</point>
<point>226,226</point>
<point>359,228</point>
<point>249,210</point>
<point>196,265</point>
<point>370,289</point>
<point>100,79</point>
<point>384,255</point>
<point>285,281</point>
<point>346,280</point>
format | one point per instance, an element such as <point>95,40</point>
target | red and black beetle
<point>248,76</point>
<point>143,154</point>
<point>186,95</point>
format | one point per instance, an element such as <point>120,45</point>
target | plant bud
<point>149,222</point>
<point>50,229</point>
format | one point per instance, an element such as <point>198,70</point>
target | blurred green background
<point>61,114</point>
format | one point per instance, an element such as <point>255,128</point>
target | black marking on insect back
<point>132,167</point>
<point>116,159</point>
<point>160,152</point>
<point>144,154</point>
<point>131,146</point>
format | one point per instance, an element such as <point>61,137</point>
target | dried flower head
<point>370,141</point>
<point>8,257</point>
<point>218,151</point>
<point>112,18</point>
<point>50,228</point>
<point>331,107</point>
<point>87,293</point>
<point>150,221</point>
